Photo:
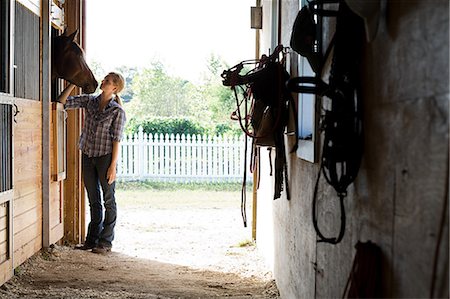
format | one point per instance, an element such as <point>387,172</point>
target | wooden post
<point>255,172</point>
<point>74,203</point>
<point>45,100</point>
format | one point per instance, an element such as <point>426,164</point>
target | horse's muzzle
<point>91,87</point>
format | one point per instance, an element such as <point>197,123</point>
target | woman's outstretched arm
<point>65,93</point>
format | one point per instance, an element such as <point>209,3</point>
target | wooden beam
<point>255,172</point>
<point>45,100</point>
<point>74,226</point>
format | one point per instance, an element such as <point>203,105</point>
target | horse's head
<point>68,63</point>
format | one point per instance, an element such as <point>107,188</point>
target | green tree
<point>97,69</point>
<point>127,72</point>
<point>156,93</point>
<point>220,99</point>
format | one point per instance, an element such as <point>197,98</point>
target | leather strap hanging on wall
<point>265,103</point>
<point>342,123</point>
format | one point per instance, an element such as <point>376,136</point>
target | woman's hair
<point>119,81</point>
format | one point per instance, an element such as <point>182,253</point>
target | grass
<point>179,196</point>
<point>174,186</point>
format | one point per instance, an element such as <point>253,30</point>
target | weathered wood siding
<point>56,189</point>
<point>397,200</point>
<point>27,180</point>
<point>34,207</point>
<point>26,53</point>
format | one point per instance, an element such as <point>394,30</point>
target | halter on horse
<point>68,63</point>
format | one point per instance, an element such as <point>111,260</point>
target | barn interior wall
<point>27,138</point>
<point>26,53</point>
<point>28,135</point>
<point>399,195</point>
<point>27,223</point>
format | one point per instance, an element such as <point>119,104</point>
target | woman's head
<point>114,83</point>
<point>117,80</point>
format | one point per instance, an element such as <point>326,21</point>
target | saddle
<point>263,111</point>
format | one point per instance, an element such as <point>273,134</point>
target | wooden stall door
<point>58,172</point>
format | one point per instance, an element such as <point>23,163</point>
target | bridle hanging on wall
<point>341,124</point>
<point>265,103</point>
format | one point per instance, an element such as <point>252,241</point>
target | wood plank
<point>58,142</point>
<point>27,202</point>
<point>56,233</point>
<point>6,271</point>
<point>27,175</point>
<point>56,212</point>
<point>4,247</point>
<point>55,193</point>
<point>52,135</point>
<point>45,93</point>
<point>3,211</point>
<point>420,192</point>
<point>27,148</point>
<point>4,234</point>
<point>55,216</point>
<point>26,187</point>
<point>28,125</point>
<point>28,247</point>
<point>27,170</point>
<point>32,234</point>
<point>4,224</point>
<point>74,202</point>
<point>3,257</point>
<point>31,217</point>
<point>24,123</point>
<point>27,105</point>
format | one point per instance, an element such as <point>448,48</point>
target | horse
<point>68,63</point>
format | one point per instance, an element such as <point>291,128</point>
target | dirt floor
<point>165,247</point>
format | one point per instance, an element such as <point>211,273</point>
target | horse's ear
<point>73,35</point>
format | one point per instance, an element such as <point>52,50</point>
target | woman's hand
<point>65,93</point>
<point>111,174</point>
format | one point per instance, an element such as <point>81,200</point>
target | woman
<point>99,143</point>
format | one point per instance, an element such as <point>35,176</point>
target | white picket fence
<point>181,158</point>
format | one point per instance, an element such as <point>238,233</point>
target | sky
<point>181,34</point>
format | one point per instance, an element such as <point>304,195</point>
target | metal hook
<point>15,113</point>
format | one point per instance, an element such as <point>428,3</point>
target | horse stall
<point>39,161</point>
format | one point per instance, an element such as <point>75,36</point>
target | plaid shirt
<point>100,128</point>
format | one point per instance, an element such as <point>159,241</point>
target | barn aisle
<point>167,246</point>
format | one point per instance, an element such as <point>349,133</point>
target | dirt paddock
<point>167,245</point>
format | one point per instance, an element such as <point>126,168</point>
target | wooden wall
<point>26,53</point>
<point>27,180</point>
<point>28,216</point>
<point>400,198</point>
<point>56,184</point>
<point>74,201</point>
<point>32,213</point>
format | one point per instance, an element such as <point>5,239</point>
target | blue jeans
<point>100,230</point>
